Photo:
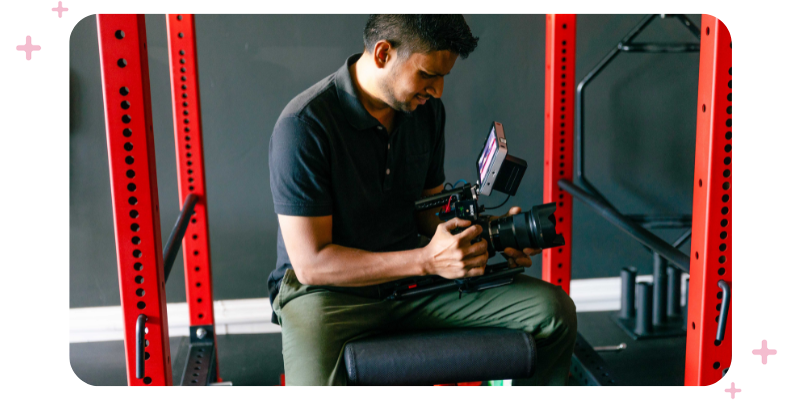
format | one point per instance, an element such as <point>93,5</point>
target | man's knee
<point>554,311</point>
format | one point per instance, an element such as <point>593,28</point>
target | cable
<point>447,183</point>
<point>460,180</point>
<point>500,205</point>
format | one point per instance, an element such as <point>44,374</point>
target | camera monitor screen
<point>487,156</point>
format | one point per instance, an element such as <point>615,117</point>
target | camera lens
<point>534,229</point>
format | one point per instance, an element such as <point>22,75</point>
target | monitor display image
<point>487,156</point>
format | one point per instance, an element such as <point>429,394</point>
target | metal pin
<point>620,347</point>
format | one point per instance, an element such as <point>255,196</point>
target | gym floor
<point>256,360</point>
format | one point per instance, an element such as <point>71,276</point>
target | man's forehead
<point>438,62</point>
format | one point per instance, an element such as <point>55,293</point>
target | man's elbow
<point>302,274</point>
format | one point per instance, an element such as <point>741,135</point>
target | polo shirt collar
<point>354,111</point>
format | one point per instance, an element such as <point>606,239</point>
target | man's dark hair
<point>420,33</point>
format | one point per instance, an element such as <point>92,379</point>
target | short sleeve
<point>299,168</point>
<point>435,175</point>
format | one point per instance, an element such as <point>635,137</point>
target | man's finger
<point>523,261</point>
<point>531,252</point>
<point>456,222</point>
<point>477,249</point>
<point>514,210</point>
<point>470,233</point>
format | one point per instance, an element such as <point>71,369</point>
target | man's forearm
<point>336,265</point>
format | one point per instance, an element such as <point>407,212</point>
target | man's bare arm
<point>317,261</point>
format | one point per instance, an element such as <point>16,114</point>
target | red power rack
<point>559,117</point>
<point>191,172</point>
<point>134,194</point>
<point>708,336</point>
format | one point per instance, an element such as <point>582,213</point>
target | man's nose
<point>436,89</point>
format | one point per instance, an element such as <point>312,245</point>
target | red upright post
<point>559,112</point>
<point>191,169</point>
<point>712,222</point>
<point>134,192</point>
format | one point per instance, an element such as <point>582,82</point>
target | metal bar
<point>628,280</point>
<point>659,47</point>
<point>140,345</point>
<point>178,231</point>
<point>645,219</point>
<point>558,134</point>
<point>712,224</point>
<point>642,235</point>
<point>683,238</point>
<point>673,292</point>
<point>659,289</point>
<point>184,78</point>
<point>644,308</point>
<point>122,43</point>
<point>723,313</point>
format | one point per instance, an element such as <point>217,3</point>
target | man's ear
<point>382,53</point>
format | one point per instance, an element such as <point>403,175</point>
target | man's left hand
<point>515,257</point>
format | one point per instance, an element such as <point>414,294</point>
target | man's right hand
<point>454,256</point>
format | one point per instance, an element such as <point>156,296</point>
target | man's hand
<point>454,256</point>
<point>515,257</point>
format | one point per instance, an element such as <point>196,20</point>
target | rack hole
<point>728,135</point>
<point>119,34</point>
<point>729,110</point>
<point>139,279</point>
<point>129,160</point>
<point>125,104</point>
<point>126,118</point>
<point>140,292</point>
<point>180,17</point>
<point>727,161</point>
<point>138,266</point>
<point>183,61</point>
<point>122,62</point>
<point>196,269</point>
<point>719,295</point>
<point>729,122</point>
<point>723,223</point>
<point>197,284</point>
<point>134,214</point>
<point>704,108</point>
<point>141,305</point>
<point>701,183</point>
<point>146,355</point>
<point>130,174</point>
<point>692,325</point>
<point>132,200</point>
<point>199,300</point>
<point>722,247</point>
<point>191,180</point>
<point>183,78</point>
<point>708,30</point>
<point>721,259</point>
<point>723,235</point>
<point>200,316</point>
<point>726,185</point>
<point>137,253</point>
<point>147,380</point>
<point>196,252</point>
<point>124,91</point>
<point>696,255</point>
<point>716,365</point>
<point>726,173</point>
<point>721,271</point>
<point>127,132</point>
<point>185,112</point>
<point>725,198</point>
<point>131,187</point>
<point>180,35</point>
<point>724,210</point>
<point>135,227</point>
<point>727,148</point>
<point>136,240</point>
<point>185,95</point>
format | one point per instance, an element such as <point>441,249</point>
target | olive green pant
<point>316,323</point>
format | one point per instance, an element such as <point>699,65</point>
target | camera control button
<point>387,171</point>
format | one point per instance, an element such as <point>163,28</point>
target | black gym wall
<point>640,130</point>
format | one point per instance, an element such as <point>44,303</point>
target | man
<point>348,158</point>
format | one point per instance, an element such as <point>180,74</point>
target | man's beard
<point>386,87</point>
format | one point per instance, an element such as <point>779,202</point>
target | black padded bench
<point>440,357</point>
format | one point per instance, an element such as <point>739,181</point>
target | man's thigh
<point>315,326</point>
<point>527,304</point>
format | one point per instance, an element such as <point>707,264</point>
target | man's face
<point>409,83</point>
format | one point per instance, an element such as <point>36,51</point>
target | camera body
<point>497,170</point>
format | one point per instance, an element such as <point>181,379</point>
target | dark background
<point>640,116</point>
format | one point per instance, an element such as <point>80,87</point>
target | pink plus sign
<point>28,48</point>
<point>764,352</point>
<point>733,390</point>
<point>60,9</point>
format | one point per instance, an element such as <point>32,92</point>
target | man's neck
<point>366,89</point>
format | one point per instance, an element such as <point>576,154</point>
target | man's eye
<point>426,76</point>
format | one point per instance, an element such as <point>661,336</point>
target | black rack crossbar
<point>176,236</point>
<point>659,47</point>
<point>661,221</point>
<point>639,233</point>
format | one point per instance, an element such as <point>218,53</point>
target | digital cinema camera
<point>497,170</point>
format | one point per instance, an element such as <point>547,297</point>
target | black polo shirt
<point>329,156</point>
